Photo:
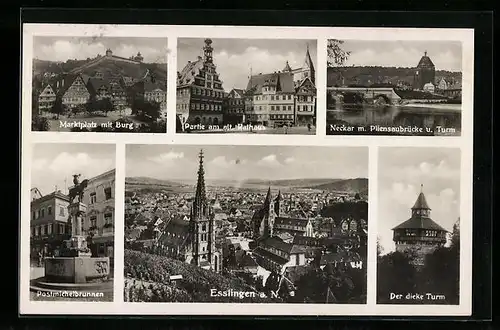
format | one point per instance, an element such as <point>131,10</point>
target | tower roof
<point>309,61</point>
<point>200,198</point>
<point>421,203</point>
<point>425,62</point>
<point>267,201</point>
<point>287,67</point>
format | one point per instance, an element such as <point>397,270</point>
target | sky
<point>446,55</point>
<point>55,162</point>
<point>154,50</point>
<point>178,163</point>
<point>402,171</point>
<point>235,57</point>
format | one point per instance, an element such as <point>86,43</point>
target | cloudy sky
<point>154,50</point>
<point>446,55</point>
<point>402,171</point>
<point>234,57</point>
<point>55,162</point>
<point>246,162</point>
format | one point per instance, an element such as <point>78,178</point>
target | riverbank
<point>443,106</point>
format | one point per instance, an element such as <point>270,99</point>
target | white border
<point>321,34</point>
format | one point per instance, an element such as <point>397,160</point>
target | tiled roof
<point>276,243</point>
<point>425,62</point>
<point>190,70</point>
<point>291,222</point>
<point>283,81</point>
<point>248,261</point>
<point>421,202</point>
<point>271,256</point>
<point>419,223</point>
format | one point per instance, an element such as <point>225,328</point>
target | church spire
<point>200,198</point>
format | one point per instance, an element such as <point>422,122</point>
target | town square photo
<point>401,87</point>
<point>418,226</point>
<point>246,86</point>
<point>268,224</point>
<point>72,222</point>
<point>99,84</point>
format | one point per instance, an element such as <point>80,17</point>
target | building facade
<point>46,99</point>
<point>419,235</point>
<point>98,223</point>
<point>234,107</point>
<point>286,97</point>
<point>74,91</point>
<point>199,91</point>
<point>49,223</point>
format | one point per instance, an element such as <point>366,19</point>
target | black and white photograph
<point>402,87</point>
<point>72,222</point>
<point>264,86</point>
<point>418,226</point>
<point>246,224</point>
<point>99,84</point>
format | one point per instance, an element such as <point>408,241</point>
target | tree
<point>40,124</point>
<point>336,55</point>
<point>395,274</point>
<point>58,108</point>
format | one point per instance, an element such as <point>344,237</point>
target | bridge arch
<point>382,99</point>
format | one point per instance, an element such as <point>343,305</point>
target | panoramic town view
<point>246,224</point>
<point>394,87</point>
<point>72,222</point>
<point>419,226</point>
<point>99,84</point>
<point>246,86</point>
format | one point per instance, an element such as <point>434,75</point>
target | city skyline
<point>154,50</point>
<point>446,55</point>
<point>402,171</point>
<point>235,58</point>
<point>241,163</point>
<point>52,164</point>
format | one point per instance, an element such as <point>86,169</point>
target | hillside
<point>196,282</point>
<point>345,185</point>
<point>369,75</point>
<point>159,70</point>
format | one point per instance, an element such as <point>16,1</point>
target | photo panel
<point>246,224</point>
<point>99,84</point>
<point>418,243</point>
<point>394,87</point>
<point>72,220</point>
<point>260,86</point>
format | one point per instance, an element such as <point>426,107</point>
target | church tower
<point>267,220</point>
<point>278,204</point>
<point>308,70</point>
<point>202,225</point>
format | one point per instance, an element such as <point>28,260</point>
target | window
<point>107,193</point>
<point>93,222</point>
<point>49,210</point>
<point>93,198</point>
<point>49,229</point>
<point>61,211</point>
<point>32,231</point>
<point>204,227</point>
<point>108,219</point>
<point>272,107</point>
<point>42,230</point>
<point>37,231</point>
<point>61,229</point>
<point>42,211</point>
<point>34,215</point>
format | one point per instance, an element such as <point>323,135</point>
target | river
<point>410,119</point>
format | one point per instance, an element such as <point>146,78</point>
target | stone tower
<point>278,205</point>
<point>269,215</point>
<point>425,72</point>
<point>419,235</point>
<point>202,230</point>
<point>308,70</point>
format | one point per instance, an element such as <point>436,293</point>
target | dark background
<point>483,130</point>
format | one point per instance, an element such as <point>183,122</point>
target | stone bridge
<point>379,95</point>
